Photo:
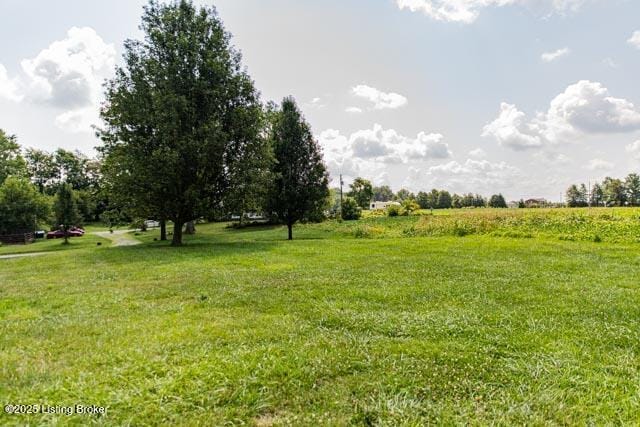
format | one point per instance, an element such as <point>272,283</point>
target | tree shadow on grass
<point>270,230</point>
<point>162,252</point>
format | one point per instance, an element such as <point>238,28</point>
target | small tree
<point>497,201</point>
<point>444,200</point>
<point>66,210</point>
<point>111,218</point>
<point>423,200</point>
<point>615,193</point>
<point>394,210</point>
<point>404,194</point>
<point>410,206</point>
<point>350,209</point>
<point>383,193</point>
<point>597,195</point>
<point>301,181</point>
<point>456,201</point>
<point>21,206</point>
<point>632,185</point>
<point>362,192</point>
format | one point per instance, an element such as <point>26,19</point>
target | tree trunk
<point>163,230</point>
<point>190,228</point>
<point>177,233</point>
<point>290,227</point>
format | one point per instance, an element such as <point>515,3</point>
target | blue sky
<point>518,96</point>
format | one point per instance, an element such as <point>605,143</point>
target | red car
<point>59,234</point>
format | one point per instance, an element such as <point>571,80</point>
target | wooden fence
<point>17,239</point>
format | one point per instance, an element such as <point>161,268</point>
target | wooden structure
<point>17,239</point>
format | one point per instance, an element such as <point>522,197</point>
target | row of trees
<point>363,192</point>
<point>23,208</point>
<point>611,192</point>
<point>47,171</point>
<point>186,135</point>
<point>37,188</point>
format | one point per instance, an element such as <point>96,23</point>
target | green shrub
<point>409,206</point>
<point>394,210</point>
<point>350,209</point>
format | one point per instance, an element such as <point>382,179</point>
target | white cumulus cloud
<point>353,110</point>
<point>67,76</point>
<point>511,129</point>
<point>478,153</point>
<point>634,150</point>
<point>474,176</point>
<point>557,54</point>
<point>467,11</point>
<point>8,87</point>
<point>635,39</point>
<point>372,149</point>
<point>381,100</point>
<point>584,108</point>
<point>599,165</point>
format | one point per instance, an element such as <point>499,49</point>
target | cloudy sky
<point>518,96</point>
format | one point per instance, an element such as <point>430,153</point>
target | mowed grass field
<point>381,326</point>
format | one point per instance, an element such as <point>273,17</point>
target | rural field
<point>478,316</point>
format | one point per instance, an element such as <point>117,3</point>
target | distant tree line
<point>610,192</point>
<point>363,193</point>
<point>31,183</point>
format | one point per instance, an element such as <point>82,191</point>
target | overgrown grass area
<point>244,327</point>
<point>597,225</point>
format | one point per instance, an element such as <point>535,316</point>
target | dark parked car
<point>59,234</point>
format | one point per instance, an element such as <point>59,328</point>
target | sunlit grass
<point>243,327</point>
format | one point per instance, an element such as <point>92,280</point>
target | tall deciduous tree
<point>614,192</point>
<point>444,200</point>
<point>11,161</point>
<point>497,201</point>
<point>424,200</point>
<point>362,192</point>
<point>383,193</point>
<point>41,167</point>
<point>597,195</point>
<point>301,180</point>
<point>250,180</point>
<point>404,194</point>
<point>21,206</point>
<point>632,185</point>
<point>180,115</point>
<point>66,210</point>
<point>576,196</point>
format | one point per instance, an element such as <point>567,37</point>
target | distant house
<point>380,206</point>
<point>536,203</point>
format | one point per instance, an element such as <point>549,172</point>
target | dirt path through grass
<point>22,255</point>
<point>119,237</point>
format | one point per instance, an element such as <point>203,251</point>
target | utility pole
<point>341,184</point>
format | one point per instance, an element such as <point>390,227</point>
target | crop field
<point>462,317</point>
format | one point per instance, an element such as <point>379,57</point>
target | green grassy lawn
<point>243,327</point>
<point>45,245</point>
